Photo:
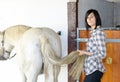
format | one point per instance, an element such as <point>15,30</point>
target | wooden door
<point>112,60</point>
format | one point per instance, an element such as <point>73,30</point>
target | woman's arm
<point>100,52</point>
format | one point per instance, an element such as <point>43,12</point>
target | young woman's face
<point>91,20</point>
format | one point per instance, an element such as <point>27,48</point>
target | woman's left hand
<point>82,52</point>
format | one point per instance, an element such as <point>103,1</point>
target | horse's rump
<point>40,44</point>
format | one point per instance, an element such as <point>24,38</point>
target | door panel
<point>112,60</point>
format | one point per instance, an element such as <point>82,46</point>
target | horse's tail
<point>48,52</point>
<point>50,57</point>
<point>77,61</point>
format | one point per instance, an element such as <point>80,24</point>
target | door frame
<point>72,7</point>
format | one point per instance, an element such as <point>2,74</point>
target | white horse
<point>34,46</point>
<point>37,50</point>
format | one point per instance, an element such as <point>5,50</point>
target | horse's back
<point>42,31</point>
<point>15,32</point>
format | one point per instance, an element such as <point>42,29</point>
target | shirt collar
<point>92,31</point>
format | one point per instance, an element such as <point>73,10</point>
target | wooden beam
<point>72,29</point>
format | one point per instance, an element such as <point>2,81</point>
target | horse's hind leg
<point>23,78</point>
<point>32,78</point>
<point>33,71</point>
<point>32,75</point>
<point>51,75</point>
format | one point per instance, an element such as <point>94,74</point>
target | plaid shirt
<point>95,45</point>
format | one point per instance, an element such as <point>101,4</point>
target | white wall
<point>35,13</point>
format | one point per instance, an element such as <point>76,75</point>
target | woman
<point>96,49</point>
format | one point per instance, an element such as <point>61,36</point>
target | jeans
<point>94,77</point>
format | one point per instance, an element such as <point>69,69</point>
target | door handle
<point>109,60</point>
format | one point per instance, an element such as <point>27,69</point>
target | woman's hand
<point>82,52</point>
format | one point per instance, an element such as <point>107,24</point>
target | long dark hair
<point>97,16</point>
